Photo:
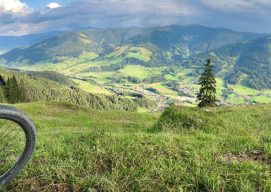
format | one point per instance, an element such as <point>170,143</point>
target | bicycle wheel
<point>17,142</point>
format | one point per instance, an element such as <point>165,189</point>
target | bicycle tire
<point>16,116</point>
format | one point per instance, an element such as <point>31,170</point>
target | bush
<point>179,118</point>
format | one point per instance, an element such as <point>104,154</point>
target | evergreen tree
<point>12,90</point>
<point>23,91</point>
<point>7,90</point>
<point>16,93</point>
<point>207,93</point>
<point>2,95</point>
<point>2,91</point>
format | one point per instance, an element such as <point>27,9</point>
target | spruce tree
<point>207,92</point>
<point>23,91</point>
<point>2,90</point>
<point>12,90</point>
<point>16,93</point>
<point>7,90</point>
<point>2,95</point>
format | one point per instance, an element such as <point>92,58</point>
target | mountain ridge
<point>11,42</point>
<point>179,41</point>
<point>252,58</point>
<point>161,63</point>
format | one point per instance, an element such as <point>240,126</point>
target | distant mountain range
<point>12,42</point>
<point>169,55</point>
<point>167,44</point>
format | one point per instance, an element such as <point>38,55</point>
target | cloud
<point>243,15</point>
<point>101,14</point>
<point>53,5</point>
<point>125,13</point>
<point>238,5</point>
<point>14,6</point>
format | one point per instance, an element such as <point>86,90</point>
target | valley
<point>162,63</point>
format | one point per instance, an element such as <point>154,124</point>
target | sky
<point>21,17</point>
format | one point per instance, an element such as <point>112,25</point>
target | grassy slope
<point>184,76</point>
<point>241,94</point>
<point>39,87</point>
<point>91,88</point>
<point>75,52</point>
<point>137,71</point>
<point>82,150</point>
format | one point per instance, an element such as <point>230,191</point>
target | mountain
<point>247,62</point>
<point>165,45</point>
<point>160,63</point>
<point>12,42</point>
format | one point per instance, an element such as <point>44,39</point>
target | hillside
<point>161,63</point>
<point>247,63</point>
<point>47,86</point>
<point>173,42</point>
<point>120,151</point>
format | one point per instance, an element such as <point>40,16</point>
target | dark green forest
<point>13,92</point>
<point>24,87</point>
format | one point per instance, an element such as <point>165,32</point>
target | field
<point>81,149</point>
<point>168,59</point>
<point>185,82</point>
<point>139,72</point>
<point>91,88</point>
<point>126,66</point>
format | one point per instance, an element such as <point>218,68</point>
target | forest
<point>24,87</point>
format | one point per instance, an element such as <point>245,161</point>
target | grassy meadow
<point>183,149</point>
<point>101,81</point>
<point>113,69</point>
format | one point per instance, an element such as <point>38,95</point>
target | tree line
<point>13,91</point>
<point>22,87</point>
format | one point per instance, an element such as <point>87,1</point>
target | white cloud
<point>53,5</point>
<point>237,5</point>
<point>242,15</point>
<point>14,6</point>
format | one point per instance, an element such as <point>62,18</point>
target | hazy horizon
<point>95,28</point>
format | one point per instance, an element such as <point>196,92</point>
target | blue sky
<point>41,4</point>
<point>19,17</point>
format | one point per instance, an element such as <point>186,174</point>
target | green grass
<point>91,88</point>
<point>84,150</point>
<point>72,66</point>
<point>126,51</point>
<point>164,90</point>
<point>184,72</point>
<point>77,67</point>
<point>81,149</point>
<point>242,90</point>
<point>88,56</point>
<point>261,99</point>
<point>266,91</point>
<point>235,99</point>
<point>140,53</point>
<point>171,78</point>
<point>100,77</point>
<point>138,71</point>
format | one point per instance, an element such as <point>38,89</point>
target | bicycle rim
<point>13,142</point>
